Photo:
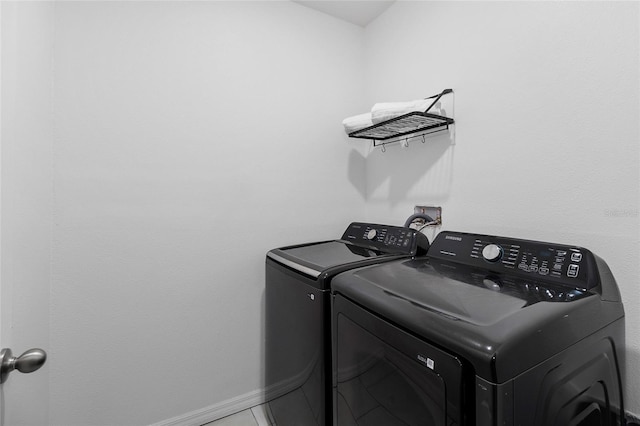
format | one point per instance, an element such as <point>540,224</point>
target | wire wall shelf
<point>406,126</point>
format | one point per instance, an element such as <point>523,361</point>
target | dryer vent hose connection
<point>411,218</point>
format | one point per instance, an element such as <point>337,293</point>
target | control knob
<point>492,252</point>
<point>492,283</point>
<point>371,234</point>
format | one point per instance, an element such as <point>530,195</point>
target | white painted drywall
<point>26,143</point>
<point>547,136</point>
<point>190,138</point>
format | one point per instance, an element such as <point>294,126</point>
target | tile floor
<point>255,416</point>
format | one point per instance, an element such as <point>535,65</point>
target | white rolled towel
<point>387,110</point>
<point>357,122</point>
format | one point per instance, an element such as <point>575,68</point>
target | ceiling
<point>359,12</point>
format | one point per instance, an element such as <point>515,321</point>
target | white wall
<point>547,127</point>
<point>26,143</point>
<point>190,138</point>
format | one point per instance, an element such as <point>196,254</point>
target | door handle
<point>28,362</point>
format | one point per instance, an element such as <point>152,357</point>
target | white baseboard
<point>216,411</point>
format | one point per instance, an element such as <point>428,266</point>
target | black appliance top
<point>361,244</point>
<point>503,304</point>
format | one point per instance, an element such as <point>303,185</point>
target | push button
<point>576,257</point>
<point>572,272</point>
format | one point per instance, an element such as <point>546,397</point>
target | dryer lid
<point>361,244</point>
<point>314,259</point>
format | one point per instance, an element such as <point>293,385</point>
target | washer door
<point>385,376</point>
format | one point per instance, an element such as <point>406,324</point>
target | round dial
<point>492,252</point>
<point>371,234</point>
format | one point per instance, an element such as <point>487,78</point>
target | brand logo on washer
<point>426,361</point>
<point>451,237</point>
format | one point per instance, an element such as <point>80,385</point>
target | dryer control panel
<point>385,238</point>
<point>567,265</point>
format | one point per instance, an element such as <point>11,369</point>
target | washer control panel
<point>568,265</point>
<point>528,287</point>
<point>386,238</point>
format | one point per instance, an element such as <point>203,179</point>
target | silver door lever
<point>28,362</point>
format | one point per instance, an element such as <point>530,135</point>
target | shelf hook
<point>423,141</point>
<point>406,142</point>
<point>383,147</point>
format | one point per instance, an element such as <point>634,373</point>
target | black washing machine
<point>298,317</point>
<point>484,331</point>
